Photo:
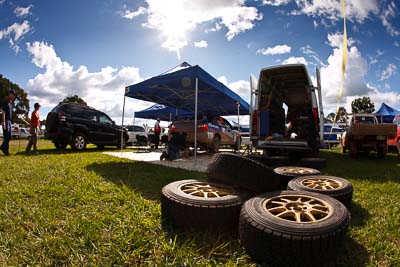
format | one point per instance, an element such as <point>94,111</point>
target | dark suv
<point>77,125</point>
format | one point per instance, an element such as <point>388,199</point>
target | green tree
<point>362,105</point>
<point>21,103</point>
<point>342,116</point>
<point>74,99</point>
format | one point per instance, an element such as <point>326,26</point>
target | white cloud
<point>356,71</point>
<point>397,44</point>
<point>389,13</point>
<point>388,72</point>
<point>276,50</point>
<point>315,24</point>
<point>103,90</point>
<point>295,60</point>
<point>22,11</point>
<point>14,33</point>
<point>241,87</point>
<point>336,40</point>
<point>175,18</point>
<point>276,2</point>
<point>2,2</point>
<point>309,52</point>
<point>126,13</point>
<point>357,10</point>
<point>201,44</point>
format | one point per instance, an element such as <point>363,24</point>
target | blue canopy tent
<point>163,112</point>
<point>386,113</point>
<point>190,88</point>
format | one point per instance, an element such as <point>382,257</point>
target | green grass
<point>65,208</point>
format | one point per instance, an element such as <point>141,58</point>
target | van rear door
<point>254,122</point>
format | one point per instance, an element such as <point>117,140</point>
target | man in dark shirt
<point>6,121</point>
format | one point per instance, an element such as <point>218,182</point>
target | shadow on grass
<point>147,178</point>
<point>218,245</point>
<point>54,151</point>
<point>352,254</point>
<point>362,168</point>
<point>359,215</point>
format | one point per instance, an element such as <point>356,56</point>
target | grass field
<point>66,208</point>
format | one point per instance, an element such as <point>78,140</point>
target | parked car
<point>395,142</point>
<point>366,134</point>
<point>137,135</point>
<point>212,133</point>
<point>77,125</point>
<point>21,133</point>
<point>271,129</point>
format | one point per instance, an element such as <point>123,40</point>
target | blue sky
<point>95,48</point>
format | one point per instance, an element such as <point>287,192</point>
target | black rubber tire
<point>280,242</point>
<point>189,211</point>
<point>79,142</point>
<point>239,171</point>
<point>272,161</point>
<point>287,173</point>
<point>342,191</point>
<point>216,143</point>
<point>380,154</point>
<point>353,149</point>
<point>238,144</point>
<point>316,163</point>
<point>60,146</point>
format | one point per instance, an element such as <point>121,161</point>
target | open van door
<point>321,109</point>
<point>253,107</point>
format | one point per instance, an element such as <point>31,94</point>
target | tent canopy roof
<point>176,89</point>
<point>386,113</point>
<point>163,112</point>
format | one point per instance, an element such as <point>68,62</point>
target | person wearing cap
<point>157,132</point>
<point>35,125</point>
<point>6,121</point>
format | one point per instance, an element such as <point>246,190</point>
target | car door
<point>228,134</point>
<point>107,128</point>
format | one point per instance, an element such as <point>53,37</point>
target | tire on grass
<point>316,163</point>
<point>287,173</point>
<point>201,205</point>
<point>332,186</point>
<point>79,141</point>
<point>271,160</point>
<point>239,171</point>
<point>288,228</point>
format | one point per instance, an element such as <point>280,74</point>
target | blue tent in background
<point>165,113</point>
<point>386,113</point>
<point>177,89</point>
<point>190,88</point>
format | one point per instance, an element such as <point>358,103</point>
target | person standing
<point>6,121</point>
<point>35,125</point>
<point>157,132</point>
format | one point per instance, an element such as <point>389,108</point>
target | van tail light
<point>202,127</point>
<point>62,116</point>
<point>316,118</point>
<point>254,126</point>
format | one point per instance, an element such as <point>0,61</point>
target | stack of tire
<point>302,226</point>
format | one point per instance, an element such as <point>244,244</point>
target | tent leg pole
<point>195,121</point>
<point>122,124</point>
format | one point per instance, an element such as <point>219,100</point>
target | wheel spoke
<point>310,216</point>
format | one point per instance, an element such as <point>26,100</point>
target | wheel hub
<point>298,208</point>
<point>297,170</point>
<point>322,183</point>
<point>206,190</point>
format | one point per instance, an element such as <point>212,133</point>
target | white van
<point>284,111</point>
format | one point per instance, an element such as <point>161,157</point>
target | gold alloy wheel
<point>206,190</point>
<point>297,170</point>
<point>298,208</point>
<point>321,183</point>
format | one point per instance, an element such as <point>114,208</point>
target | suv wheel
<point>216,143</point>
<point>398,147</point>
<point>79,141</point>
<point>60,146</point>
